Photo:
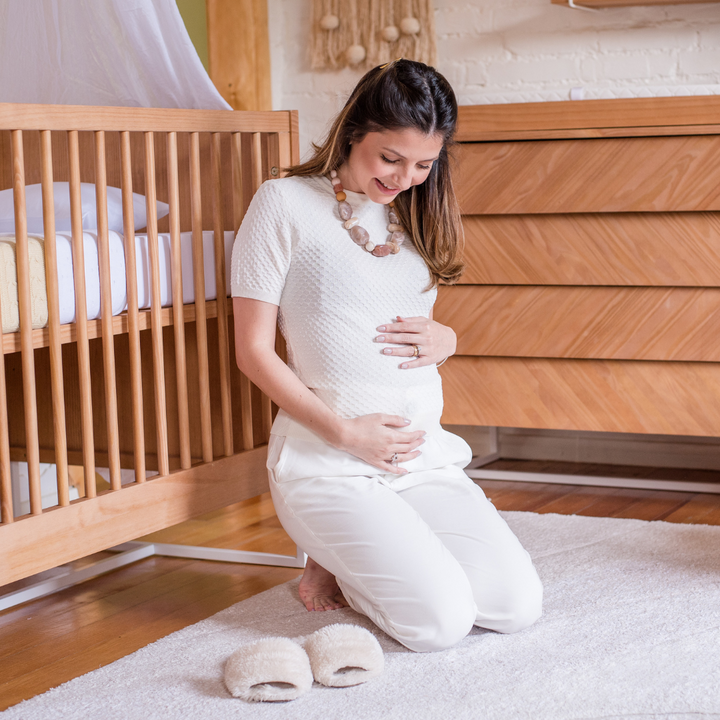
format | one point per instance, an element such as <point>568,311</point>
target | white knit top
<point>293,251</point>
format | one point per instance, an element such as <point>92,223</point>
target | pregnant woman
<point>346,252</point>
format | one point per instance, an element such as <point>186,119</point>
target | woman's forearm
<point>255,327</point>
<point>266,370</point>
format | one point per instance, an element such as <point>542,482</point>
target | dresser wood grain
<point>591,299</point>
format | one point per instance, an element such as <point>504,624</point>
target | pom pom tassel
<point>363,35</point>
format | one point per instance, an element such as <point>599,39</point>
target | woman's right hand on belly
<point>374,439</point>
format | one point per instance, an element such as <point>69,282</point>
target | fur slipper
<point>344,655</point>
<point>269,670</point>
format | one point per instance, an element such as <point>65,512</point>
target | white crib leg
<point>132,552</point>
<point>199,552</point>
<point>64,577</point>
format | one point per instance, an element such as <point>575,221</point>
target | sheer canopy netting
<point>133,53</point>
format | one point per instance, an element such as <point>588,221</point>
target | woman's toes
<point>324,602</point>
<point>319,590</point>
<point>320,602</point>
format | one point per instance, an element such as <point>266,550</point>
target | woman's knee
<point>440,628</point>
<point>522,607</point>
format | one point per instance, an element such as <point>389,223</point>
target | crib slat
<point>83,347</point>
<point>237,180</point>
<point>257,178</point>
<point>108,341</point>
<point>238,214</point>
<point>178,310</point>
<point>53,295</point>
<point>132,311</point>
<point>6,506</point>
<point>221,287</point>
<point>200,310</point>
<point>24,299</point>
<point>284,152</point>
<point>256,156</point>
<point>156,307</point>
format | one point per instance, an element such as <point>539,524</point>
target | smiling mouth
<point>389,189</point>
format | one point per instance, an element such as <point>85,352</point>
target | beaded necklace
<point>359,234</point>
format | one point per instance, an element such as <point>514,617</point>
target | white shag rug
<point>631,629</point>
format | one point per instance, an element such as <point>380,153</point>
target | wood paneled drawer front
<point>645,174</point>
<point>670,249</point>
<point>658,115</point>
<point>602,395</point>
<point>584,322</point>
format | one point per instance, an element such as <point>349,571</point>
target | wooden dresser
<point>591,299</point>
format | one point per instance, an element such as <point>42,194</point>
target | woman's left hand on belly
<point>434,342</point>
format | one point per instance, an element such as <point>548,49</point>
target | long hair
<point>405,94</point>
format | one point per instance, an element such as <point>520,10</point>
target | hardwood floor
<point>54,639</point>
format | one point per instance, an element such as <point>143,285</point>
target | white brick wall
<point>494,50</point>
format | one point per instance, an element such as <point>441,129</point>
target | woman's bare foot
<point>319,589</point>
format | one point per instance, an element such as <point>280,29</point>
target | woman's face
<point>385,163</point>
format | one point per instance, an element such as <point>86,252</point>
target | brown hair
<point>405,94</point>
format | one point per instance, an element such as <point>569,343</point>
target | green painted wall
<point>195,17</point>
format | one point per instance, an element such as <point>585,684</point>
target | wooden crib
<point>591,298</point>
<point>154,390</point>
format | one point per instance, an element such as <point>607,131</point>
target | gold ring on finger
<point>416,351</point>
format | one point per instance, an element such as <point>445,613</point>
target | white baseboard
<point>670,451</point>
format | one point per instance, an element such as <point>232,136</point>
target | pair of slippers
<point>280,669</point>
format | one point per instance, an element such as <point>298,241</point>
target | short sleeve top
<point>293,251</point>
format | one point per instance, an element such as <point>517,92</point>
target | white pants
<point>425,555</point>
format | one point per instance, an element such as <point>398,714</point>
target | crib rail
<point>149,396</point>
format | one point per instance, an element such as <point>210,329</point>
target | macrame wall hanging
<point>366,33</point>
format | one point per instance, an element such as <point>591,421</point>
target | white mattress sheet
<point>117,271</point>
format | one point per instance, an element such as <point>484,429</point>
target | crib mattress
<point>66,284</point>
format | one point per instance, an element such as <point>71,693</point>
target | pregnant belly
<point>422,403</point>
